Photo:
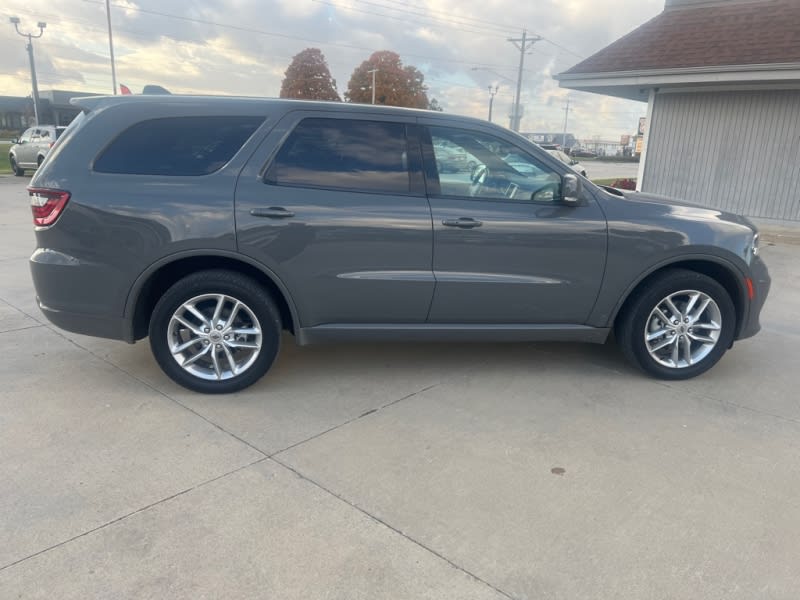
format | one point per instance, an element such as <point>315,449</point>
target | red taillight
<point>750,291</point>
<point>47,205</point>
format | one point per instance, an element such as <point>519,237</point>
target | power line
<point>453,23</point>
<point>275,34</point>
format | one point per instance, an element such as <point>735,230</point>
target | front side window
<point>177,146</point>
<point>347,154</point>
<point>474,164</point>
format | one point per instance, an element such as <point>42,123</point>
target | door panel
<point>523,264</point>
<point>345,256</point>
<point>507,258</point>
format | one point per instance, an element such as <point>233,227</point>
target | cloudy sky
<point>244,46</point>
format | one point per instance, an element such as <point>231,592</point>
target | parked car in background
<point>568,160</point>
<point>582,153</point>
<point>32,147</point>
<point>452,159</point>
<point>333,221</point>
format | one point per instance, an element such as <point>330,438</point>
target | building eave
<point>634,85</point>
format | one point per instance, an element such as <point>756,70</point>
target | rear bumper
<point>76,295</point>
<point>84,324</point>
<point>761,285</point>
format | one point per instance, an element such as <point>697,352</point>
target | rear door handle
<point>273,212</point>
<point>462,222</point>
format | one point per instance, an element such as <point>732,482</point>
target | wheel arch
<point>722,271</point>
<point>152,283</point>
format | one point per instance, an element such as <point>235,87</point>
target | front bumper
<point>761,284</point>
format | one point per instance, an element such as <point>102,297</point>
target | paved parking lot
<point>395,471</point>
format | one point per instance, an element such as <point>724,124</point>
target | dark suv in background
<point>212,224</point>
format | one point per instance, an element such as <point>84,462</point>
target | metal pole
<point>523,44</point>
<point>373,71</point>
<point>492,92</point>
<point>515,123</point>
<point>111,47</point>
<point>566,116</point>
<point>34,82</point>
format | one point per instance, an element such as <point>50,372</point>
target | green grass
<point>5,167</point>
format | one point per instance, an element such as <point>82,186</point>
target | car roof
<point>91,103</point>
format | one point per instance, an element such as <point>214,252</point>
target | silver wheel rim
<point>683,329</point>
<point>214,337</point>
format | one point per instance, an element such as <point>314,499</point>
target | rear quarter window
<point>177,146</point>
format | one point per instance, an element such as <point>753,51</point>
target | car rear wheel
<point>679,326</point>
<point>14,167</point>
<point>215,332</point>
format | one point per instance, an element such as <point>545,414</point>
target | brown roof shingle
<point>741,33</point>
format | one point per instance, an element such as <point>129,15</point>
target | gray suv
<point>213,224</point>
<point>30,150</point>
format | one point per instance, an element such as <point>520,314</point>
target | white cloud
<point>191,54</point>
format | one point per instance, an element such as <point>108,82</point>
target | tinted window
<point>477,165</point>
<point>366,156</point>
<point>177,146</point>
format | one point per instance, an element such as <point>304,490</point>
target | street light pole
<point>111,47</point>
<point>373,71</point>
<point>41,25</point>
<point>566,118</point>
<point>492,93</point>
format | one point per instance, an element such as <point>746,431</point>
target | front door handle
<point>273,212</point>
<point>463,223</point>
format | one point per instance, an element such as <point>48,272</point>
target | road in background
<point>596,169</point>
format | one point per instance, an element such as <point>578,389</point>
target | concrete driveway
<point>395,471</point>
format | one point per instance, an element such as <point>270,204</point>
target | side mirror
<point>570,189</point>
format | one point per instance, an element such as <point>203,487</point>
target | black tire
<point>236,286</point>
<point>14,167</point>
<point>632,323</point>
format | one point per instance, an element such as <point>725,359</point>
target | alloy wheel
<point>214,336</point>
<point>683,328</point>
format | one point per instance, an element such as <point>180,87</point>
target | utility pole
<point>523,44</point>
<point>492,93</point>
<point>373,71</point>
<point>41,25</point>
<point>111,47</point>
<point>566,117</point>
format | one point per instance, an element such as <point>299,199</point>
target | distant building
<point>565,141</point>
<point>16,112</point>
<point>722,84</point>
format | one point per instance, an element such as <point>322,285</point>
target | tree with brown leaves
<point>308,78</point>
<point>395,83</point>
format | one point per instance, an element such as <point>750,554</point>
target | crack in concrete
<point>392,528</point>
<point>132,513</point>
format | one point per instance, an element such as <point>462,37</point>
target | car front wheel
<point>679,326</point>
<point>15,167</point>
<point>215,332</point>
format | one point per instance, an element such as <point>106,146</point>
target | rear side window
<point>368,156</point>
<point>177,146</point>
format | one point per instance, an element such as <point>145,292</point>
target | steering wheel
<point>479,175</point>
